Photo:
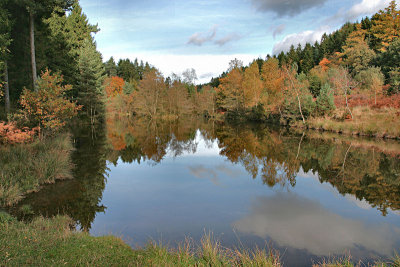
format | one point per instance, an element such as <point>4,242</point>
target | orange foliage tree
<point>324,64</point>
<point>48,107</point>
<point>150,94</point>
<point>113,86</point>
<point>230,92</point>
<point>273,80</point>
<point>252,86</point>
<point>386,27</point>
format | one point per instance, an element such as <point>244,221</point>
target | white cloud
<point>363,8</point>
<point>298,38</point>
<point>200,38</point>
<point>297,222</point>
<point>366,7</point>
<point>228,38</point>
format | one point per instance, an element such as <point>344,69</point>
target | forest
<point>348,82</point>
<point>67,115</point>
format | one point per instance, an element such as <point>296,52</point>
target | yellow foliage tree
<point>272,78</point>
<point>252,86</point>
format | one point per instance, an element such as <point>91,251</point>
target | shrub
<point>11,134</point>
<point>48,106</point>
<point>325,101</point>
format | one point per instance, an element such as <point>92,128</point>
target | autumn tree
<point>206,101</point>
<point>272,78</point>
<point>176,100</point>
<point>113,86</point>
<point>386,26</point>
<point>230,91</point>
<point>252,86</point>
<point>356,52</point>
<point>48,106</point>
<point>150,94</point>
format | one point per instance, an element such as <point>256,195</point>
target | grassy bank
<point>45,242</point>
<point>52,242</point>
<point>25,167</point>
<point>383,123</point>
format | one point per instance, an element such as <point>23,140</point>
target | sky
<point>175,35</point>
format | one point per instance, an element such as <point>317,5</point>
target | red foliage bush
<point>365,100</point>
<point>11,134</point>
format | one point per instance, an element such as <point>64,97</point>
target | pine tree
<point>67,36</point>
<point>90,80</point>
<point>307,61</point>
<point>110,67</point>
<point>5,41</point>
<point>37,10</point>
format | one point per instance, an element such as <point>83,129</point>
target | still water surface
<point>309,195</point>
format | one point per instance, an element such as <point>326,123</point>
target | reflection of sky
<point>203,148</point>
<point>186,195</point>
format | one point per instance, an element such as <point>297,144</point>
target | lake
<point>309,195</point>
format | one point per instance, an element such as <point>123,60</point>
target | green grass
<point>25,167</point>
<point>51,242</point>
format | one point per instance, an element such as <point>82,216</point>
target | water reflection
<point>274,156</point>
<point>297,222</point>
<point>307,193</point>
<point>80,197</point>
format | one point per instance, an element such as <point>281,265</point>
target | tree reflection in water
<point>368,170</point>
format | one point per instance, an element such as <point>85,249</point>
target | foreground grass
<point>370,122</point>
<point>25,167</point>
<point>51,242</point>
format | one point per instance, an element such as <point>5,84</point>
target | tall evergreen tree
<point>67,35</point>
<point>90,80</point>
<point>110,67</point>
<point>37,10</point>
<point>307,61</point>
<point>5,41</point>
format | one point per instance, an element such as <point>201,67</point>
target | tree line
<point>56,40</point>
<point>360,58</point>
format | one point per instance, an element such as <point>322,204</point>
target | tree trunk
<point>32,41</point>
<point>6,88</point>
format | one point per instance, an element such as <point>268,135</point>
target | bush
<point>11,134</point>
<point>48,106</point>
<point>325,101</point>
